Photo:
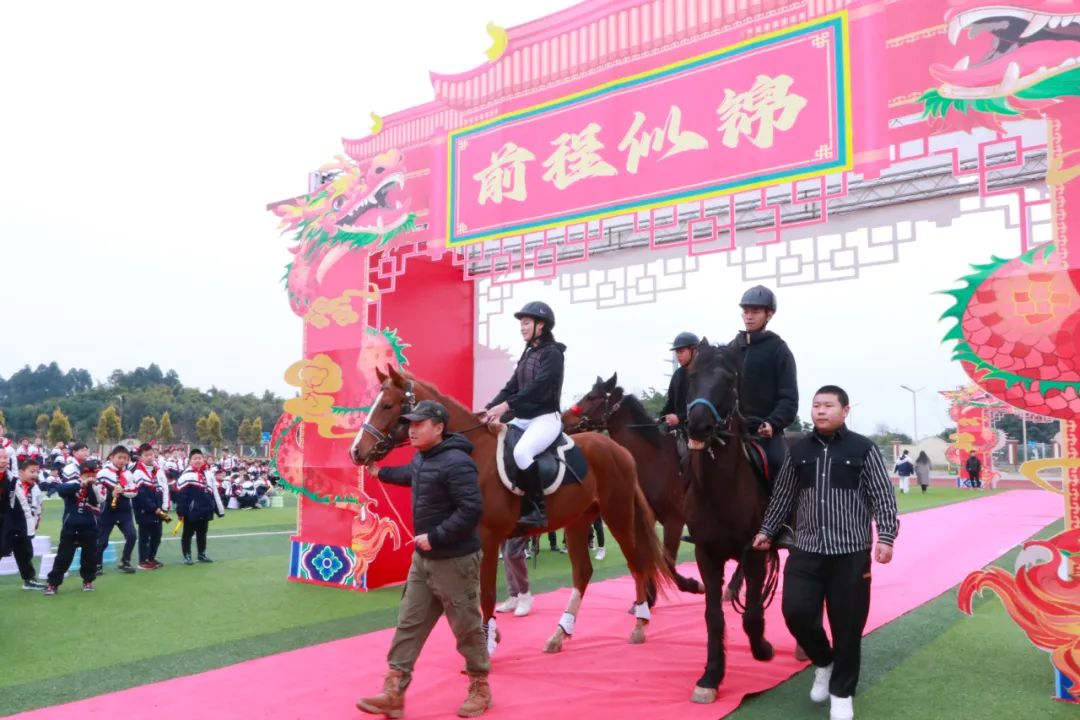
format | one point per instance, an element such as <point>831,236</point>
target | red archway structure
<point>699,125</point>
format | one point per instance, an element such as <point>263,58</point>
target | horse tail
<point>650,559</point>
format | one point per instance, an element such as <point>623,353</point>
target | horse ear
<point>599,380</point>
<point>704,342</point>
<point>380,375</point>
<point>395,376</point>
<point>614,380</point>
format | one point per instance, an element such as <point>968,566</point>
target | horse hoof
<point>800,654</point>
<point>555,642</point>
<point>637,637</point>
<point>699,588</point>
<point>703,696</point>
<point>763,652</point>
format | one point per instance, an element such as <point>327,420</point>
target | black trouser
<point>973,478</point>
<point>22,547</point>
<point>86,540</point>
<point>842,584</point>
<point>197,528</point>
<point>598,528</point>
<point>149,539</point>
<point>127,528</point>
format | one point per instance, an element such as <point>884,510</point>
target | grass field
<point>181,620</point>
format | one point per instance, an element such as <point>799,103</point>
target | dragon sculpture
<point>355,209</point>
<point>1041,598</point>
<point>1017,321</point>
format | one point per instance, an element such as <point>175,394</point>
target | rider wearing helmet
<point>674,412</point>
<point>532,394</point>
<point>769,392</point>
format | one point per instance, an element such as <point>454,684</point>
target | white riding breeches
<point>540,433</point>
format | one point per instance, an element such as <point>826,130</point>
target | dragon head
<point>355,208</point>
<point>1015,59</point>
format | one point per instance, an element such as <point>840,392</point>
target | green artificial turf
<point>181,620</point>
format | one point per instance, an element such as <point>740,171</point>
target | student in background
<point>78,530</point>
<point>23,517</point>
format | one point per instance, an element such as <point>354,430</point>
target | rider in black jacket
<point>769,391</point>
<point>532,394</point>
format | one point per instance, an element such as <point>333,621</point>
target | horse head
<point>713,391</point>
<point>383,428</point>
<point>593,411</point>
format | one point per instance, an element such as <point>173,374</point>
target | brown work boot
<point>390,702</point>
<point>479,698</point>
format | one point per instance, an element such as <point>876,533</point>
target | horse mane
<point>641,421</point>
<point>448,401</point>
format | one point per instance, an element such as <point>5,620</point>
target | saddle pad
<point>565,449</point>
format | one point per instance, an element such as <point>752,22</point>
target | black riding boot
<point>534,517</point>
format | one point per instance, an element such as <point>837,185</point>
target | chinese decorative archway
<point>680,123</point>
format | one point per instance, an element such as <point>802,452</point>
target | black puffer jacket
<point>446,500</point>
<point>769,389</point>
<point>676,395</point>
<point>536,385</point>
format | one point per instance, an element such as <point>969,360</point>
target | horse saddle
<point>758,460</point>
<point>562,462</point>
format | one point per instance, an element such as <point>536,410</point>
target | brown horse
<point>725,505</point>
<point>609,489</point>
<point>608,407</point>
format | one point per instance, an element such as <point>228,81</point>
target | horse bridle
<point>585,424</point>
<point>720,431</point>
<point>385,443</point>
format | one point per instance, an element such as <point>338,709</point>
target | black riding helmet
<point>538,311</point>
<point>759,296</point>
<point>684,339</point>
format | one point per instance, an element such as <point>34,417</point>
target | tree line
<point>145,403</point>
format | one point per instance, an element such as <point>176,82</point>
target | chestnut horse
<point>609,489</point>
<point>608,407</point>
<point>725,506</point>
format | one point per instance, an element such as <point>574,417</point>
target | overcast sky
<point>142,141</point>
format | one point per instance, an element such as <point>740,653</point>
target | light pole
<point>914,410</point>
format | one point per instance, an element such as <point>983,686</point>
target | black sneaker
<point>50,590</point>
<point>88,587</point>
<point>203,557</point>
<point>100,570</point>
<point>188,560</point>
<point>126,568</point>
<point>157,563</point>
<point>32,585</point>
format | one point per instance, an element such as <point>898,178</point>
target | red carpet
<point>598,673</point>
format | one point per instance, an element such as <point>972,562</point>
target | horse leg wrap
<point>641,611</point>
<point>566,622</point>
<point>490,636</point>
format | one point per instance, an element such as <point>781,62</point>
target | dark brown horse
<point>725,505</point>
<point>609,489</point>
<point>608,407</point>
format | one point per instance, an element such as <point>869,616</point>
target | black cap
<point>89,466</point>
<point>428,410</point>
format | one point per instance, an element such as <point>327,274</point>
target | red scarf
<point>27,488</point>
<point>201,474</point>
<point>149,474</point>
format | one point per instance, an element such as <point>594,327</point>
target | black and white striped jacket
<point>837,485</point>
